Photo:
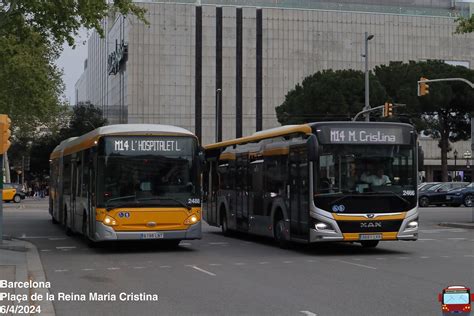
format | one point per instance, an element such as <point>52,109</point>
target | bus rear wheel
<point>369,243</point>
<point>224,225</point>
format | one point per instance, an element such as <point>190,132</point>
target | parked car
<point>436,195</point>
<point>460,196</point>
<point>11,193</point>
<point>426,185</point>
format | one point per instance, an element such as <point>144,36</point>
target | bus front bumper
<point>104,232</point>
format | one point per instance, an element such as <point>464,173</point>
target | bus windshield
<point>456,298</point>
<point>158,177</point>
<point>348,171</point>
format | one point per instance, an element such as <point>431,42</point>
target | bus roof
<point>273,132</point>
<point>75,144</point>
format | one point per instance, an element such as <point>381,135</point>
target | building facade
<point>219,68</point>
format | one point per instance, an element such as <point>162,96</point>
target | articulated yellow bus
<point>316,182</point>
<point>127,182</point>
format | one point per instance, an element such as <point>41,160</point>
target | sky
<point>72,63</point>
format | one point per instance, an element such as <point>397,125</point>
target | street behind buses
<point>133,181</point>
<point>316,182</point>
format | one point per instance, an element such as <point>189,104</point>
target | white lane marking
<point>240,263</point>
<point>308,313</point>
<point>379,258</point>
<point>45,250</point>
<point>113,268</point>
<point>443,230</point>
<point>287,261</point>
<point>263,262</point>
<point>39,237</point>
<point>138,267</point>
<point>61,270</point>
<point>468,256</point>
<point>425,239</point>
<point>445,256</point>
<point>165,266</point>
<point>185,244</point>
<point>66,247</point>
<point>56,238</point>
<point>403,258</point>
<point>457,238</point>
<point>201,270</point>
<point>424,257</point>
<point>357,259</point>
<point>87,269</point>
<point>218,243</point>
<point>356,264</point>
<point>215,264</point>
<point>310,260</point>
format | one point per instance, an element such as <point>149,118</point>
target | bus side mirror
<point>312,148</point>
<point>472,297</point>
<point>440,298</point>
<point>202,156</point>
<point>421,159</point>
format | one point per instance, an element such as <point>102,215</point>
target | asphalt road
<point>243,275</point>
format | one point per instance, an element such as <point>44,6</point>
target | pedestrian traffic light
<point>423,87</point>
<point>387,109</point>
<point>5,133</point>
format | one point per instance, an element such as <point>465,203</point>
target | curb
<point>36,273</point>
<point>458,225</point>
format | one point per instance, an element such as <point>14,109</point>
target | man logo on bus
<point>456,300</point>
<point>338,208</point>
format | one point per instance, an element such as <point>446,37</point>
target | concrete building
<point>240,57</point>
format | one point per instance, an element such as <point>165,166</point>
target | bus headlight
<point>193,219</point>
<point>321,226</point>
<point>110,221</point>
<point>412,225</point>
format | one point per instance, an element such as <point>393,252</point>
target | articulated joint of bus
<point>326,226</point>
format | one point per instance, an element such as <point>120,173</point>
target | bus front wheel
<point>224,226</point>
<point>281,234</point>
<point>369,243</point>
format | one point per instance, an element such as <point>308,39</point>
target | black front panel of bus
<point>372,226</point>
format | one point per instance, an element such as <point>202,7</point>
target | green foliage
<point>30,82</point>
<point>60,20</point>
<point>329,95</point>
<point>84,118</point>
<point>465,25</point>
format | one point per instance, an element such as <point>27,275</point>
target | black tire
<point>172,243</point>
<point>68,230</point>
<point>469,200</point>
<point>17,198</point>
<point>224,224</point>
<point>454,205</point>
<point>424,201</point>
<point>369,243</point>
<point>54,221</point>
<point>281,234</point>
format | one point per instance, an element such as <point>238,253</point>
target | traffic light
<point>423,88</point>
<point>5,133</point>
<point>387,109</point>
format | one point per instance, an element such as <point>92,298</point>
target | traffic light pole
<point>380,107</point>
<point>444,79</point>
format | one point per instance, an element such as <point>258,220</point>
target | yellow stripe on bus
<point>338,217</point>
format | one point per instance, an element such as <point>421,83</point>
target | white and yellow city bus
<point>128,182</point>
<point>316,182</point>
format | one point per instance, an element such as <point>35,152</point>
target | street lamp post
<point>218,110</point>
<point>366,56</point>
<point>455,163</point>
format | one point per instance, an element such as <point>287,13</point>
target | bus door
<point>89,163</point>
<point>74,178</point>
<point>211,192</point>
<point>242,192</point>
<point>299,192</point>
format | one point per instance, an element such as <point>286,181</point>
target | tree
<point>328,95</point>
<point>30,83</point>
<point>60,20</point>
<point>84,118</point>
<point>444,112</point>
<point>465,25</point>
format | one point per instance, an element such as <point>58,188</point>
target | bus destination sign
<point>147,145</point>
<point>365,135</point>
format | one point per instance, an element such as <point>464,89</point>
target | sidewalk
<point>20,262</point>
<point>468,225</point>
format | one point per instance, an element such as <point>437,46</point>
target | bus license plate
<point>370,237</point>
<point>155,235</point>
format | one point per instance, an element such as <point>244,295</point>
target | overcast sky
<point>72,63</point>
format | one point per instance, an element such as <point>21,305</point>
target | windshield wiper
<point>165,198</point>
<point>118,199</point>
